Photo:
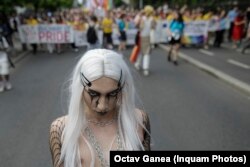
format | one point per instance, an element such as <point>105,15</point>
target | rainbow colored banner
<point>193,39</point>
<point>93,4</point>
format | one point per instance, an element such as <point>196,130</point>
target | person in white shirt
<point>4,67</point>
<point>145,26</point>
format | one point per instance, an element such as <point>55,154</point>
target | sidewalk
<point>233,81</point>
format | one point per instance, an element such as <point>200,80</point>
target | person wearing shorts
<point>175,30</point>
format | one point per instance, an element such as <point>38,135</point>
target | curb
<point>242,86</point>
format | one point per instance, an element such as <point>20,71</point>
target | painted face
<point>102,96</point>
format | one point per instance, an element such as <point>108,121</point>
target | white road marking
<point>238,64</point>
<point>206,52</point>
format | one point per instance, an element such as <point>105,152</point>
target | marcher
<point>92,34</point>
<point>146,24</point>
<point>32,21</point>
<point>238,29</point>
<point>5,63</point>
<point>175,32</point>
<point>107,27</point>
<point>219,34</point>
<point>102,115</point>
<point>231,16</point>
<point>123,36</point>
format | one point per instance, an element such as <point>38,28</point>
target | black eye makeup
<point>114,93</point>
<point>93,93</point>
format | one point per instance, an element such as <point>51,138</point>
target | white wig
<point>94,65</point>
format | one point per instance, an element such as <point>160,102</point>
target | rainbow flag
<point>108,4</point>
<point>93,4</point>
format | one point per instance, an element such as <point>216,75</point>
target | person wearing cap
<point>102,115</point>
<point>146,24</point>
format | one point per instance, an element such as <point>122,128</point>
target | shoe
<point>8,86</point>
<point>176,63</point>
<point>137,66</point>
<point>145,72</point>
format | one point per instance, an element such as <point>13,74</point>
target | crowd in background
<point>121,19</point>
<point>124,18</point>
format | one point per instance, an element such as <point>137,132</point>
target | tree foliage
<point>7,5</point>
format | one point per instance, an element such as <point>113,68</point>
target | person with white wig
<point>102,115</point>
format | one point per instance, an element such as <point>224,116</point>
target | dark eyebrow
<point>90,90</point>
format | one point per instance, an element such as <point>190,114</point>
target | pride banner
<point>215,25</point>
<point>55,33</point>
<point>193,39</point>
<point>28,34</point>
<point>46,34</point>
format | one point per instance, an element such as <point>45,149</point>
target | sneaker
<point>145,72</point>
<point>8,86</point>
<point>137,66</point>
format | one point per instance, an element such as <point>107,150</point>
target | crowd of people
<point>125,18</point>
<point>122,19</point>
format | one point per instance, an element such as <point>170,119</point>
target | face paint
<point>110,98</point>
<point>99,102</point>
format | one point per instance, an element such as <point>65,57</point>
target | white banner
<point>163,35</point>
<point>215,25</point>
<point>80,38</point>
<point>28,34</point>
<point>46,34</point>
<point>196,28</point>
<point>55,33</point>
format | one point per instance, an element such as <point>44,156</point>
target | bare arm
<point>56,130</point>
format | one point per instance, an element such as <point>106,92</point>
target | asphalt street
<point>188,108</point>
<point>227,60</point>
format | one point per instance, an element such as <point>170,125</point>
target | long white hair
<point>95,64</point>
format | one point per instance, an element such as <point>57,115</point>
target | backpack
<point>91,35</point>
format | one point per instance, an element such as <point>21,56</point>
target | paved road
<point>189,109</point>
<point>226,60</point>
